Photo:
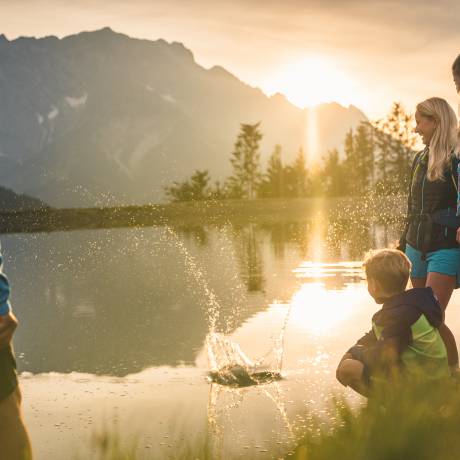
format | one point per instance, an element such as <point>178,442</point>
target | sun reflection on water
<point>318,310</point>
<point>345,273</point>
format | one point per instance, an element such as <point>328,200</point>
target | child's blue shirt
<point>5,307</point>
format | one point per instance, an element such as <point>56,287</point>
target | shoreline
<point>195,213</point>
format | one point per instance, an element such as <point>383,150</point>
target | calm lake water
<point>114,325</point>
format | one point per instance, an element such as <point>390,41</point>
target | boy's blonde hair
<point>389,267</point>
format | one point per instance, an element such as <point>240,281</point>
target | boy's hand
<point>8,325</point>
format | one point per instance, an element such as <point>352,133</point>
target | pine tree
<point>272,185</point>
<point>245,161</point>
<point>296,177</point>
<point>399,126</point>
<point>333,178</point>
<point>364,152</point>
<point>350,162</point>
<point>301,173</point>
<point>359,159</point>
<point>396,142</point>
<point>383,145</point>
<point>193,189</point>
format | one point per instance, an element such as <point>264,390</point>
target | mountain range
<point>100,118</point>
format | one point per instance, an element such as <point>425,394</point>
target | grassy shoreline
<point>195,213</point>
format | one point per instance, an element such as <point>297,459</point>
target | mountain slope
<point>11,201</point>
<point>100,118</point>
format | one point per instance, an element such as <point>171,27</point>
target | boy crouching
<point>404,339</point>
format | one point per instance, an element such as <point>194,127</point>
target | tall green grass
<point>406,421</point>
<point>108,444</point>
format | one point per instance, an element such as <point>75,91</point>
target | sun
<point>311,80</point>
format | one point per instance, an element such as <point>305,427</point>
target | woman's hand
<point>458,235</point>
<point>400,245</point>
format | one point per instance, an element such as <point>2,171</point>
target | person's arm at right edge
<point>8,322</point>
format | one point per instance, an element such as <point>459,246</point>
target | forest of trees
<point>376,159</point>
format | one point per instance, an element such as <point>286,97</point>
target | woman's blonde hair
<point>443,144</point>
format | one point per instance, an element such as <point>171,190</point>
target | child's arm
<point>5,307</point>
<point>8,321</point>
<point>367,340</point>
<point>383,355</point>
<point>8,324</point>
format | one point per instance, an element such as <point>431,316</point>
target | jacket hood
<point>421,299</point>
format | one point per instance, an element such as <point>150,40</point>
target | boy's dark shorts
<point>8,375</point>
<point>357,353</point>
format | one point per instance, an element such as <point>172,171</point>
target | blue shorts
<point>445,261</point>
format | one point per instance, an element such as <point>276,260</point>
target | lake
<point>114,325</point>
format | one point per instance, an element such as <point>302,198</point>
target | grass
<point>406,422</point>
<point>109,445</point>
<point>419,422</point>
<point>192,213</point>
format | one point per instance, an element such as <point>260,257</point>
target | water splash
<point>279,401</point>
<point>213,307</point>
<point>279,349</point>
<point>228,364</point>
<point>222,352</point>
<point>231,367</point>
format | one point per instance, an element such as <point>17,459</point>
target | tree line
<point>376,159</point>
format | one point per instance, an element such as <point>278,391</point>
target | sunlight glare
<point>311,134</point>
<point>320,311</point>
<point>312,80</point>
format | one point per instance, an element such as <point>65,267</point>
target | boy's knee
<point>349,370</point>
<point>341,373</point>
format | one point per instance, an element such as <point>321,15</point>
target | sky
<point>368,53</point>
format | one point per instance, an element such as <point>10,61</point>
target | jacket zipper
<point>421,212</point>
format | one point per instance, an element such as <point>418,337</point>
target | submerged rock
<point>240,376</point>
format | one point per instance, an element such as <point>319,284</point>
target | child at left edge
<point>14,439</point>
<point>404,339</point>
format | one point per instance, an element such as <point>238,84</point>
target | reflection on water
<point>318,310</point>
<point>333,275</point>
<point>120,319</point>
<point>117,301</point>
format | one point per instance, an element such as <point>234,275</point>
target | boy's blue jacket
<point>4,292</point>
<point>395,321</point>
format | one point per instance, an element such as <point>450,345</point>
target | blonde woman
<point>430,234</point>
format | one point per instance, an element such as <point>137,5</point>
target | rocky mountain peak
<point>100,118</point>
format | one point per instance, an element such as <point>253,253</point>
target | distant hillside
<point>100,118</point>
<point>11,201</point>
